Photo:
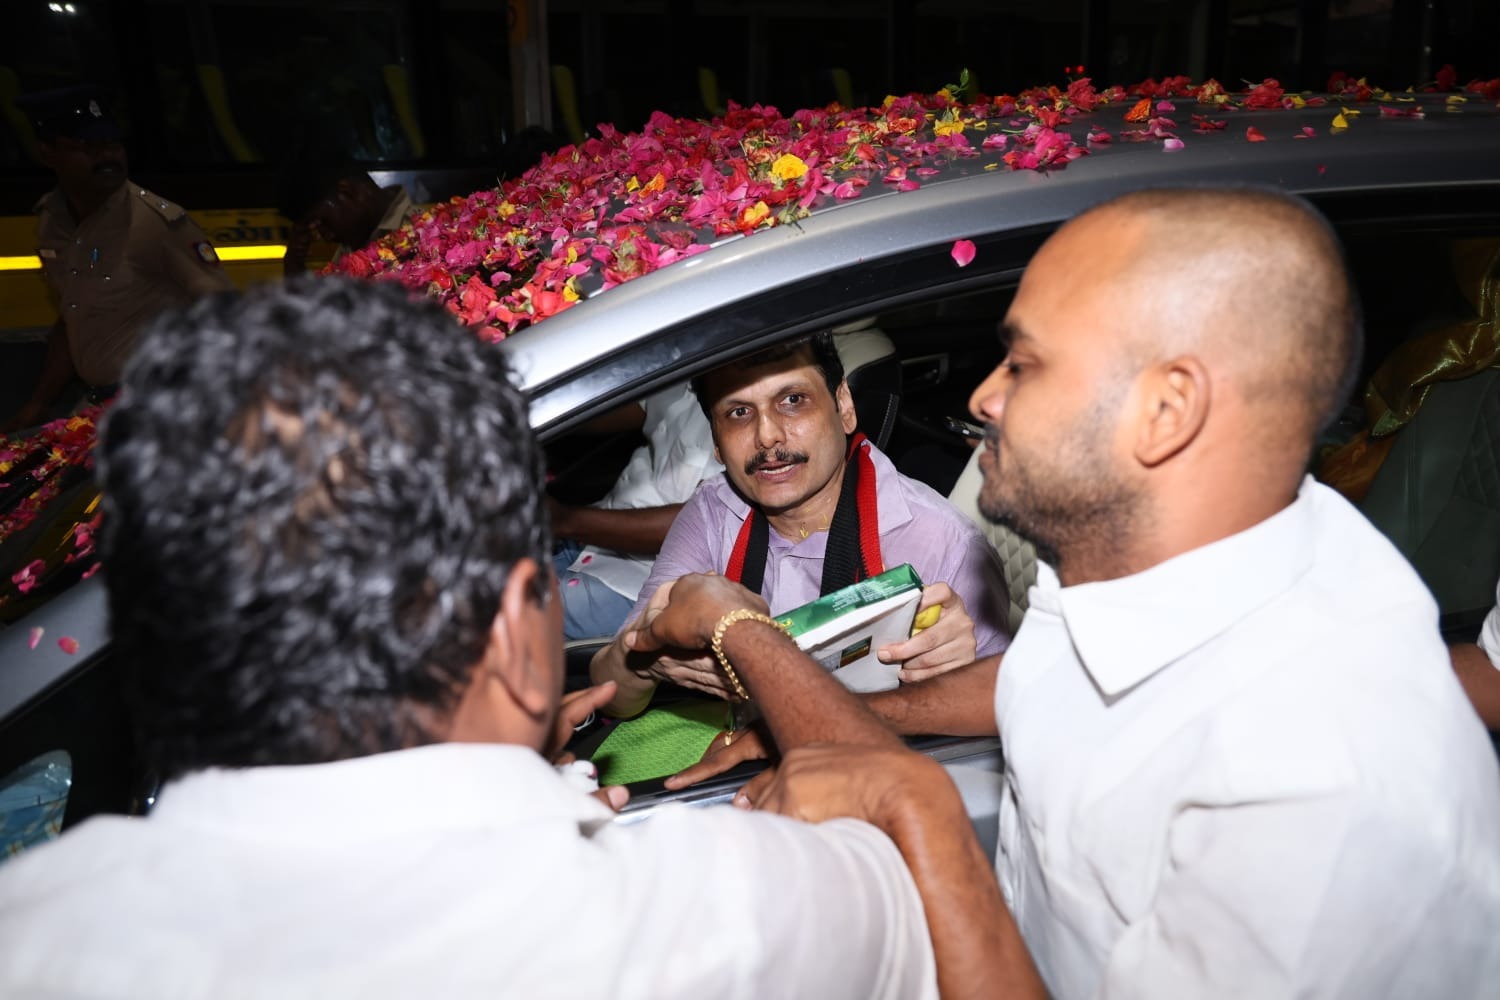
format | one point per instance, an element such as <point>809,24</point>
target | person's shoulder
<point>159,209</point>
<point>936,512</point>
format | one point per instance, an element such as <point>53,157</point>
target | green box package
<point>845,629</point>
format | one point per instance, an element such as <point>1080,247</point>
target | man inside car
<point>1237,760</point>
<point>327,560</point>
<point>805,506</point>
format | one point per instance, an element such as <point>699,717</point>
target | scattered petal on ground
<point>963,252</point>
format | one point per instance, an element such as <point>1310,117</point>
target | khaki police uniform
<point>129,259</point>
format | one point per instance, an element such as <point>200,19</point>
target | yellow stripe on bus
<point>268,252</point>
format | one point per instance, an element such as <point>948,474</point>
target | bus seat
<point>708,91</point>
<point>565,100</point>
<point>216,95</point>
<point>1017,555</point>
<point>398,85</point>
<point>843,86</point>
<point>874,375</point>
<point>1437,494</point>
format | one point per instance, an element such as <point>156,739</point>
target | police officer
<point>113,253</point>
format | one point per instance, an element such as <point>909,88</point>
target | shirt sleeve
<point>688,548</point>
<point>770,907</point>
<point>975,574</point>
<point>188,260</point>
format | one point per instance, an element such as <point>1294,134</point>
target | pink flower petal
<point>1165,106</point>
<point>68,645</point>
<point>36,636</point>
<point>1171,145</point>
<point>963,253</point>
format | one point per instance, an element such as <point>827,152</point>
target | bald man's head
<point>1253,280</point>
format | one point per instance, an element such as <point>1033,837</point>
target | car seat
<point>1437,495</point>
<point>1017,555</point>
<point>874,375</point>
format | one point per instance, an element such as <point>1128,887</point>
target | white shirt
<point>454,871</point>
<point>1489,633</point>
<point>1250,771</point>
<point>677,456</point>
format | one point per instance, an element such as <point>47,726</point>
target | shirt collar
<point>444,786</point>
<point>890,500</point>
<point>1125,630</point>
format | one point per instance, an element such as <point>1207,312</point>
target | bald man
<point>1238,763</point>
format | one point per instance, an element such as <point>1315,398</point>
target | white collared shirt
<point>1250,771</point>
<point>454,871</point>
<point>677,456</point>
<point>1489,633</point>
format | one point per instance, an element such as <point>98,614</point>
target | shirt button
<point>72,305</point>
<point>106,277</point>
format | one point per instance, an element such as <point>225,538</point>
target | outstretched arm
<point>637,530</point>
<point>872,776</point>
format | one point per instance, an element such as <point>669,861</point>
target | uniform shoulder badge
<point>206,252</point>
<point>170,211</point>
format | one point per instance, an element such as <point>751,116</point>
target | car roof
<point>1450,145</point>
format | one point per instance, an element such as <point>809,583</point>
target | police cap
<point>71,112</point>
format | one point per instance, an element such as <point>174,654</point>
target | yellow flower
<point>1298,102</point>
<point>948,126</point>
<point>756,214</point>
<point>386,253</point>
<point>572,256</point>
<point>1340,122</point>
<point>506,209</point>
<point>634,184</point>
<point>788,167</point>
<point>889,100</point>
<point>77,423</point>
<point>570,293</point>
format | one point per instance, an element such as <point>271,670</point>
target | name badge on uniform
<point>206,252</point>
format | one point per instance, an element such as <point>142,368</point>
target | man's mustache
<point>992,437</point>
<point>780,456</point>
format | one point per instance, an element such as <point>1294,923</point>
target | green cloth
<point>659,742</point>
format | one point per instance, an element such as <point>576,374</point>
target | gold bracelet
<point>739,615</point>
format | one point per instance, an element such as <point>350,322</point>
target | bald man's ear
<point>1174,407</point>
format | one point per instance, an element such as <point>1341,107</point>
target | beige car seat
<point>1017,555</point>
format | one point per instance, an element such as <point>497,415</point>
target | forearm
<point>958,703</point>
<point>640,530</point>
<point>802,703</point>
<point>975,940</point>
<point>633,691</point>
<point>1480,680</point>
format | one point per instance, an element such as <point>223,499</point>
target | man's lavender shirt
<point>917,526</point>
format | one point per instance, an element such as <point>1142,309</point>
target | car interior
<point>1415,448</point>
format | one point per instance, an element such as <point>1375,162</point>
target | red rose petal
<point>963,253</point>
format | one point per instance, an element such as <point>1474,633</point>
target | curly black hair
<point>314,494</point>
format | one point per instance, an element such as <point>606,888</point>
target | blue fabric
<point>590,608</point>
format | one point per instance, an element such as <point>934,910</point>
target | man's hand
<point>822,781</point>
<point>945,645</point>
<point>698,671</point>
<point>682,614</point>
<point>298,245</point>
<point>747,744</point>
<point>572,712</point>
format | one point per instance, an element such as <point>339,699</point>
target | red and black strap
<point>853,550</point>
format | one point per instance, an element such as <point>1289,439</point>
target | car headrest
<point>874,375</point>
